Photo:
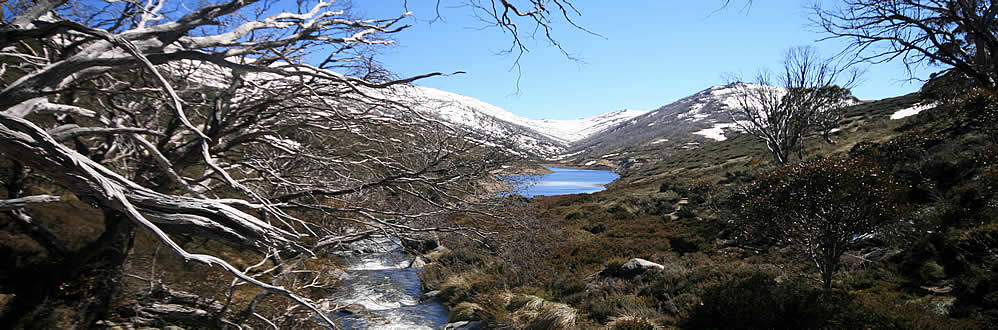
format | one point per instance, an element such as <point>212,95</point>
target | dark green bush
<point>948,86</point>
<point>820,208</point>
<point>760,302</point>
<point>979,110</point>
<point>974,254</point>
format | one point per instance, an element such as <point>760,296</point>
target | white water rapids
<point>388,289</point>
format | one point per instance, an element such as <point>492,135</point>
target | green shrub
<point>701,190</point>
<point>465,311</point>
<point>575,215</point>
<point>760,302</point>
<point>947,87</point>
<point>672,185</point>
<point>979,110</point>
<point>975,256</point>
<point>820,208</point>
<point>913,262</point>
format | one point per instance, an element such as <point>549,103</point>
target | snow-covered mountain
<point>685,123</point>
<point>574,130</point>
<point>546,138</point>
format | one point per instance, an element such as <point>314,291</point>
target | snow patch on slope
<point>578,129</point>
<point>715,132</point>
<point>724,96</point>
<point>911,111</point>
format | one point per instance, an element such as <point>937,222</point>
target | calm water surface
<point>564,181</point>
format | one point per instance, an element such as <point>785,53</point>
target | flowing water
<point>389,290</point>
<point>379,278</point>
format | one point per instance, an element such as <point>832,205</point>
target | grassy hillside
<point>682,210</point>
<point>864,122</point>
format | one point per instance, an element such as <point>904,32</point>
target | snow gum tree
<point>807,97</point>
<point>821,209</point>
<point>228,121</point>
<point>959,34</point>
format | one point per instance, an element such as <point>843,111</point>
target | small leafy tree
<point>821,209</point>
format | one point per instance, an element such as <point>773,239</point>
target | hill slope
<point>684,124</point>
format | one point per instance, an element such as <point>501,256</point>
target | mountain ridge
<point>545,138</point>
<point>684,123</point>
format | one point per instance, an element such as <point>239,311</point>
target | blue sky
<point>654,52</point>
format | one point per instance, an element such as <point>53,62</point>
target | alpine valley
<point>602,141</point>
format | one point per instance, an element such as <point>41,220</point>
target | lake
<point>563,181</point>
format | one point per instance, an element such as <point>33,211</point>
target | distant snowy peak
<point>472,112</point>
<point>578,129</point>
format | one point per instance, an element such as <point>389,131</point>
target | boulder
<point>465,325</point>
<point>417,263</point>
<point>419,245</point>
<point>343,253</point>
<point>338,274</point>
<point>631,268</point>
<point>352,309</point>
<point>874,255</point>
<point>638,266</point>
<point>430,295</point>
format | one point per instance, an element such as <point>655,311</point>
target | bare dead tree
<point>960,34</point>
<point>781,111</point>
<point>210,122</point>
<point>540,14</point>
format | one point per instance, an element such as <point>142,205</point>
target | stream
<point>380,280</point>
<point>389,290</point>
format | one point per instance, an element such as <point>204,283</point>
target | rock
<point>417,263</point>
<point>638,265</point>
<point>436,253</point>
<point>338,274</point>
<point>874,255</point>
<point>352,309</point>
<point>465,325</point>
<point>632,268</point>
<point>938,290</point>
<point>419,245</point>
<point>105,324</point>
<point>430,295</point>
<point>342,253</point>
